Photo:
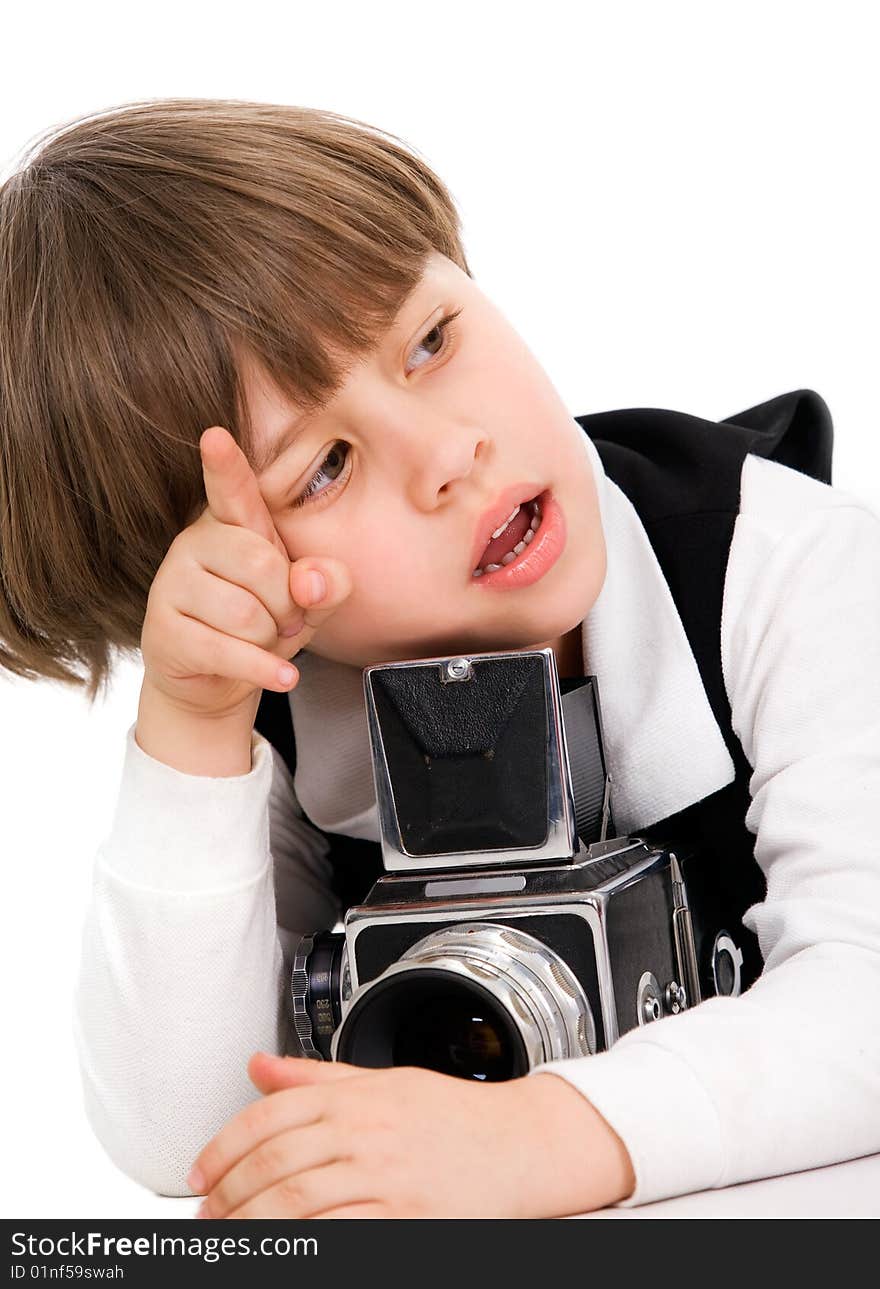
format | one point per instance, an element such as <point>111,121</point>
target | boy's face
<point>421,440</point>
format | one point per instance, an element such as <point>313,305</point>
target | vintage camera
<point>511,926</point>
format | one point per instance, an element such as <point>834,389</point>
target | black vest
<point>682,475</point>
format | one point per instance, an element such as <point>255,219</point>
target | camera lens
<point>430,1019</point>
<point>448,1037</point>
<point>478,1000</point>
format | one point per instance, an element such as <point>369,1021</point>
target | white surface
<point>673,210</point>
<point>843,1190</point>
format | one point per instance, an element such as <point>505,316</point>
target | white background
<point>675,204</point>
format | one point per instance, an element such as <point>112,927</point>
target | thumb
<point>271,1073</point>
<point>319,602</point>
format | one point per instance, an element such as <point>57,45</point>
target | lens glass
<point>432,1018</point>
<point>455,1032</point>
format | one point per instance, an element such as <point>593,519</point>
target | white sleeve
<point>787,1076</point>
<point>182,974</point>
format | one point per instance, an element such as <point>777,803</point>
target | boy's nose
<point>441,464</point>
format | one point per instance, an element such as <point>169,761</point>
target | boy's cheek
<point>350,635</point>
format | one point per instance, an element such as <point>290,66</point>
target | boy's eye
<point>335,460</point>
<point>331,467</point>
<point>437,333</point>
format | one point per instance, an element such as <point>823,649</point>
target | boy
<point>271,274</point>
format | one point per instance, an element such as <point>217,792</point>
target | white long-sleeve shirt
<point>202,883</point>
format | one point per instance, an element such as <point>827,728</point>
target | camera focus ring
<point>299,992</point>
<point>317,972</point>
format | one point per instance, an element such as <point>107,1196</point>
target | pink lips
<point>538,557</point>
<point>495,516</point>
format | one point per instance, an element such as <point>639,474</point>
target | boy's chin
<point>449,645</point>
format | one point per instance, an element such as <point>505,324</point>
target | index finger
<point>231,486</point>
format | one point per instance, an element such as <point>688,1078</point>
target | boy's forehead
<point>276,419</point>
<point>266,404</point>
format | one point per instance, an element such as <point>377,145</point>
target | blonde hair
<point>142,250</point>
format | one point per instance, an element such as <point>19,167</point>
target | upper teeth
<point>513,514</point>
<point>533,527</point>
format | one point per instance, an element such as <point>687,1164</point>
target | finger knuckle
<point>292,1191</point>
<point>259,1118</point>
<point>260,554</point>
<point>245,613</point>
<point>272,563</point>
<point>270,1160</point>
<point>184,537</point>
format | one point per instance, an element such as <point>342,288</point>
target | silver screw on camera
<point>676,997</point>
<point>456,669</point>
<point>648,1005</point>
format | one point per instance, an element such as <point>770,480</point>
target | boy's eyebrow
<point>265,459</point>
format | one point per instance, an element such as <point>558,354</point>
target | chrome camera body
<point>511,926</point>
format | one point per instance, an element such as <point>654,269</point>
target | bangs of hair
<point>143,251</point>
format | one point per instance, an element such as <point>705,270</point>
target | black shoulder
<point>663,458</point>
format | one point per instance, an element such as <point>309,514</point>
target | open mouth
<point>511,541</point>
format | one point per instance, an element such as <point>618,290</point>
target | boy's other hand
<point>227,606</point>
<point>335,1140</point>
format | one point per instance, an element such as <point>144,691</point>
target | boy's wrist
<point>589,1166</point>
<point>214,746</point>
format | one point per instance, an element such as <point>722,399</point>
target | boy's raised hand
<point>227,605</point>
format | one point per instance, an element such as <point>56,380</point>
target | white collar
<point>662,742</point>
<point>663,746</point>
